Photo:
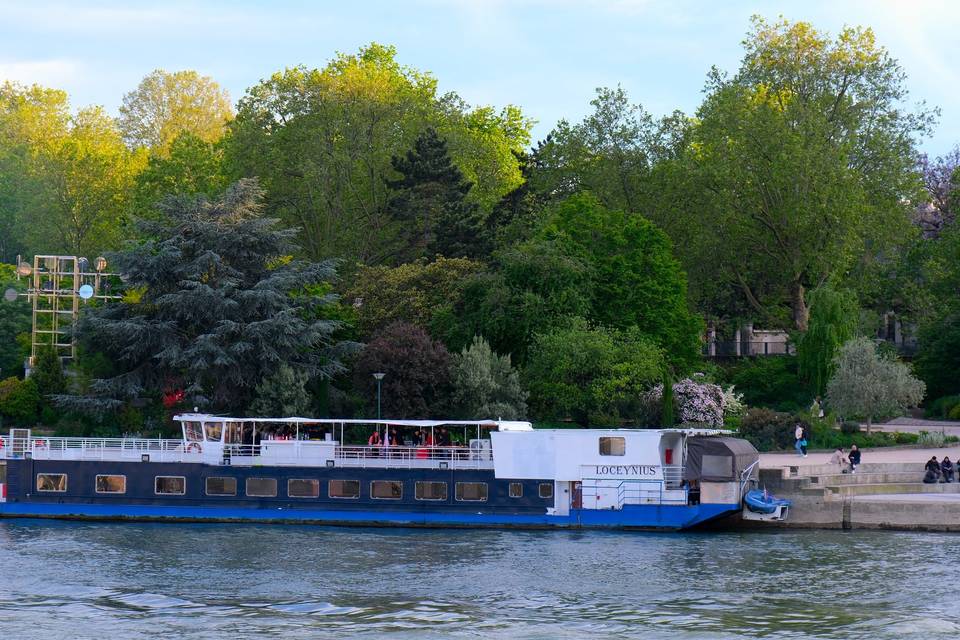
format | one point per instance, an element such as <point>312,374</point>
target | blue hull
<point>630,517</point>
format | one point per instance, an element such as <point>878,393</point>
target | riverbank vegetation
<point>353,219</point>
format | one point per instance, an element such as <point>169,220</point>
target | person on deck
<point>374,441</point>
<point>854,458</point>
<point>946,468</point>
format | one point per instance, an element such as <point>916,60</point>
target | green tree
<point>48,373</point>
<point>219,307</point>
<point>833,321</point>
<point>532,288</point>
<point>321,142</point>
<point>610,154</point>
<point>164,105</point>
<point>667,415</point>
<point>14,321</point>
<point>798,166</point>
<point>869,385</point>
<point>282,394</point>
<point>634,279</point>
<point>417,292</point>
<point>485,385</point>
<point>191,167</point>
<point>596,376</point>
<point>19,400</point>
<point>429,203</point>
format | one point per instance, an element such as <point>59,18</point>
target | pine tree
<point>216,306</point>
<point>430,203</point>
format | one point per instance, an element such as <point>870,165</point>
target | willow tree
<point>215,308</point>
<point>805,160</point>
<point>833,321</point>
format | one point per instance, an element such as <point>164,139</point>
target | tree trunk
<point>869,423</point>
<point>801,313</point>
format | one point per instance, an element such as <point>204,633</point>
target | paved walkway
<point>910,497</point>
<point>916,425</point>
<point>769,460</point>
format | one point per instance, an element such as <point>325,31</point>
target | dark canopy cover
<point>718,459</point>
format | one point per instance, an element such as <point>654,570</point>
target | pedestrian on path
<point>801,438</point>
<point>854,458</point>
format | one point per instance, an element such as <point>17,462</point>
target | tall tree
<point>799,165</point>
<point>485,385</point>
<point>429,201</point>
<point>14,322</point>
<point>164,105</point>
<point>321,142</point>
<point>217,307</point>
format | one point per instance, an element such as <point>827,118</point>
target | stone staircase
<point>870,479</point>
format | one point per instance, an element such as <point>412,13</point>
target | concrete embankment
<point>881,495</point>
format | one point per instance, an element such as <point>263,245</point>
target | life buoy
<point>194,447</point>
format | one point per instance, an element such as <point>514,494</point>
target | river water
<point>93,580</point>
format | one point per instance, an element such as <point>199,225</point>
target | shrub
<point>941,407</point>
<point>19,400</point>
<point>850,426</point>
<point>906,438</point>
<point>955,413</point>
<point>934,439</point>
<point>767,429</point>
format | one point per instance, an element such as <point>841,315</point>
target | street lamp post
<point>379,377</point>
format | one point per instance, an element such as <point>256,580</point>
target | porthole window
<point>546,490</point>
<point>431,491</point>
<point>386,489</point>
<point>170,485</point>
<point>262,487</point>
<point>516,489</point>
<point>52,482</point>
<point>303,488</point>
<point>472,491</point>
<point>343,489</point>
<point>218,486</point>
<point>111,484</point>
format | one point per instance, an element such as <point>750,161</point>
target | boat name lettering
<point>627,470</point>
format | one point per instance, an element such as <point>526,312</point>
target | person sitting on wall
<point>946,469</point>
<point>932,467</point>
<point>838,457</point>
<point>854,458</point>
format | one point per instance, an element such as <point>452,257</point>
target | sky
<point>547,56</point>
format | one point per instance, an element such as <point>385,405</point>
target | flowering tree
<point>697,401</point>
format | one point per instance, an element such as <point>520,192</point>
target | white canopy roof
<point>503,425</point>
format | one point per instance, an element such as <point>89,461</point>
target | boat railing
<point>415,457</point>
<point>603,493</point>
<point>44,448</point>
<point>280,452</point>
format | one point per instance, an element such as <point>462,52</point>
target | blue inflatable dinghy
<point>762,502</point>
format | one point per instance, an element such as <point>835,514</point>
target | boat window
<point>52,482</point>
<point>111,484</point>
<point>213,429</point>
<point>343,489</point>
<point>192,431</point>
<point>546,490</point>
<point>613,446</point>
<point>472,491</point>
<point>262,487</point>
<point>386,489</point>
<point>218,486</point>
<point>516,489</point>
<point>171,485</point>
<point>303,488</point>
<point>431,491</point>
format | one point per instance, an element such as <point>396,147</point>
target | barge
<point>428,473</point>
